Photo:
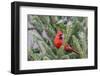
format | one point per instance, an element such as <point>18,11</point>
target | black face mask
<point>60,37</point>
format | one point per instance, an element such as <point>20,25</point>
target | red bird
<point>68,48</point>
<point>58,40</point>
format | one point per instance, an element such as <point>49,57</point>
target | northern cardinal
<point>68,48</point>
<point>58,40</point>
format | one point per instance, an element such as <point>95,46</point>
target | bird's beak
<point>63,36</point>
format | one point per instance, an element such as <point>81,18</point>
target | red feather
<point>58,40</point>
<point>68,48</point>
